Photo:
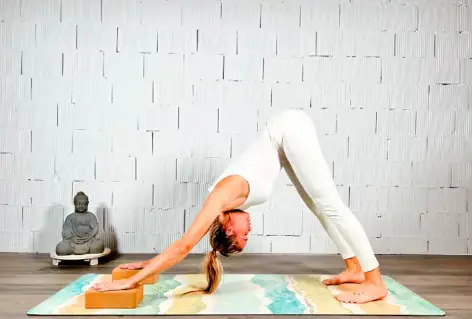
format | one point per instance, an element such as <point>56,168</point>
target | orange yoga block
<point>119,299</point>
<point>119,273</point>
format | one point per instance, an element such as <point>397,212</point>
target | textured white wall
<point>142,103</point>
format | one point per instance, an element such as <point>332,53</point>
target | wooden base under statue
<point>93,258</point>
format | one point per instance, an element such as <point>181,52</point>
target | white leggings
<point>289,140</point>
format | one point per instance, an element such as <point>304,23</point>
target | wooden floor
<point>28,279</point>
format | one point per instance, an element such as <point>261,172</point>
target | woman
<point>288,141</point>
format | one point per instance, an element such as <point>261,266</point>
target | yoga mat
<point>243,294</point>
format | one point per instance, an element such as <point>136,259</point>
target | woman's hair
<point>226,246</point>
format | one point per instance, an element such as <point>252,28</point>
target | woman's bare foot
<point>366,292</point>
<point>372,289</point>
<point>347,276</point>
<point>352,274</point>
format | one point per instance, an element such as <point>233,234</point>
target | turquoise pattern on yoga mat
<point>284,300</point>
<point>249,294</point>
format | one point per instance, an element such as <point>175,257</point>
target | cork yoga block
<point>119,299</point>
<point>119,273</point>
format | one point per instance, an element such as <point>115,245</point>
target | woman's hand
<point>123,284</point>
<point>135,265</point>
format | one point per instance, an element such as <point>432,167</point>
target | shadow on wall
<point>107,231</point>
<point>46,230</point>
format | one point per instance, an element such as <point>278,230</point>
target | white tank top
<point>259,164</point>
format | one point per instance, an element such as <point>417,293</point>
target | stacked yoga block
<point>123,299</point>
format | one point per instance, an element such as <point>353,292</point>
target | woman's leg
<point>353,272</point>
<point>343,248</point>
<point>294,134</point>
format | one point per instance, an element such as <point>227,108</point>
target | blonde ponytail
<point>213,270</point>
<point>226,246</point>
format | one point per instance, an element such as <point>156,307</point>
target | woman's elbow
<point>183,249</point>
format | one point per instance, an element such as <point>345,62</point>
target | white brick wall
<point>142,104</point>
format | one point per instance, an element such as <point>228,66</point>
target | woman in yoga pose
<point>289,141</point>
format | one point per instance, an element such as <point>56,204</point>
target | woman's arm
<point>228,194</point>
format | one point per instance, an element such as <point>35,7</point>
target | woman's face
<point>239,226</point>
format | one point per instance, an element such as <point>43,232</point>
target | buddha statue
<point>80,231</point>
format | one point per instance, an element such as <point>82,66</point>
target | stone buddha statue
<point>80,231</point>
